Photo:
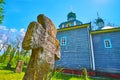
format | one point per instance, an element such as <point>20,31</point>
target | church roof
<point>72,28</point>
<point>105,30</point>
<point>71,21</point>
<point>107,27</point>
<point>71,15</point>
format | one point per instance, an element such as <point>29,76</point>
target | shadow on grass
<point>4,67</point>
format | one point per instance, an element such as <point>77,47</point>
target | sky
<point>19,13</point>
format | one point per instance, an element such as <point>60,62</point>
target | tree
<point>11,55</point>
<point>1,10</point>
<point>6,53</point>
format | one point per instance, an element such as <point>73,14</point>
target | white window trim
<point>109,42</point>
<point>65,41</point>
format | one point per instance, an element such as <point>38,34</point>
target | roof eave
<point>74,27</point>
<point>105,31</point>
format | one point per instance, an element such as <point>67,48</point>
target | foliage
<point>13,54</point>
<point>4,57</point>
<point>85,74</point>
<point>1,10</point>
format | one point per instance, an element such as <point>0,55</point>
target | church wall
<point>107,59</point>
<point>75,54</point>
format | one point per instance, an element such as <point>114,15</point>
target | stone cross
<point>41,38</point>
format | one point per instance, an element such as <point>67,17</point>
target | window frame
<point>105,44</point>
<point>63,25</point>
<point>69,24</point>
<point>75,23</point>
<point>62,40</point>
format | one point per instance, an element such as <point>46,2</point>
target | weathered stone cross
<point>41,38</point>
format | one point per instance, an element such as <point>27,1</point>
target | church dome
<point>100,23</point>
<point>71,21</point>
<point>99,20</point>
<point>71,16</point>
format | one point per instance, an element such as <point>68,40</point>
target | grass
<point>9,74</point>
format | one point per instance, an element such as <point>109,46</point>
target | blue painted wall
<point>76,53</point>
<point>107,59</point>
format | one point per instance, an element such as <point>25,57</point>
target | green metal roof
<point>71,15</point>
<point>99,20</point>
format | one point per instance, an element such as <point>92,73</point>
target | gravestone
<point>19,65</point>
<point>41,38</point>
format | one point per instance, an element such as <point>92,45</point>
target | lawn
<point>9,74</point>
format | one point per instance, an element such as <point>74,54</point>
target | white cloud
<point>11,34</point>
<point>22,31</point>
<point>3,28</point>
<point>13,30</point>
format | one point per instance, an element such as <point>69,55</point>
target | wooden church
<point>87,46</point>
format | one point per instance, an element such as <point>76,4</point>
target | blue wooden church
<point>86,46</point>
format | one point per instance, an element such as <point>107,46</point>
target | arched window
<point>63,40</point>
<point>62,25</point>
<point>74,23</point>
<point>107,43</point>
<point>68,24</point>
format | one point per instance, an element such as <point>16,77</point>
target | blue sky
<point>19,13</point>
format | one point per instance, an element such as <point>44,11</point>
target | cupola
<point>99,22</point>
<point>71,16</point>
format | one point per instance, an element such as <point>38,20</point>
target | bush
<point>85,74</point>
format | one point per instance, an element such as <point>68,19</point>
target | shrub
<point>85,74</point>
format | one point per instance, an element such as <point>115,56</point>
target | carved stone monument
<point>41,38</point>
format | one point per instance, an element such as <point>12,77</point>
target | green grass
<point>63,76</point>
<point>9,74</point>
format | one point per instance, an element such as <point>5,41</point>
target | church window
<point>62,25</point>
<point>68,25</point>
<point>74,23</point>
<point>107,43</point>
<point>63,40</point>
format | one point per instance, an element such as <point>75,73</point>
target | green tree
<point>6,54</point>
<point>1,10</point>
<point>11,55</point>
